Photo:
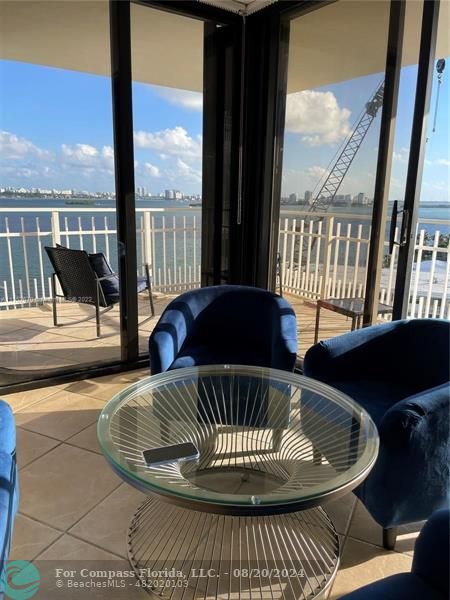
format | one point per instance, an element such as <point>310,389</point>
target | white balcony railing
<point>324,257</point>
<point>167,240</point>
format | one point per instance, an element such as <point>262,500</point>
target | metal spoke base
<point>184,554</point>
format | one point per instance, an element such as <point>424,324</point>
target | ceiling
<point>246,7</point>
<point>341,41</point>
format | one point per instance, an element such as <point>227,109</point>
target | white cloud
<point>174,142</point>
<point>184,98</point>
<point>88,158</point>
<point>317,116</point>
<point>444,162</point>
<point>13,147</point>
<point>151,170</point>
<point>188,172</point>
<point>315,173</point>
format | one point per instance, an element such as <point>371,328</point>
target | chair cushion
<point>115,297</point>
<point>375,396</point>
<point>194,355</point>
<point>403,586</point>
<point>102,268</point>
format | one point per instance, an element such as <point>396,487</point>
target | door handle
<point>404,227</point>
<point>393,227</point>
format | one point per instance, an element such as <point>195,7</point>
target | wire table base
<point>181,554</point>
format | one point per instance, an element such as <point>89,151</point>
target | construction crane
<point>330,187</point>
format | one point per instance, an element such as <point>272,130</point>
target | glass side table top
<point>269,441</point>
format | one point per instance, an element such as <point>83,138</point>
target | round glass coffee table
<point>240,517</point>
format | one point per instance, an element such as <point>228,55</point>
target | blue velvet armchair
<point>400,373</point>
<point>228,324</point>
<point>8,483</point>
<point>428,579</point>
<point>225,324</point>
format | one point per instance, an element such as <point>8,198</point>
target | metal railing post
<point>56,232</point>
<point>148,240</point>
<point>329,224</point>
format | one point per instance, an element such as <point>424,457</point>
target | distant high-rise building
<point>293,198</point>
<point>360,200</point>
<point>308,197</point>
<point>169,194</point>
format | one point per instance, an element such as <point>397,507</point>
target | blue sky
<point>56,132</point>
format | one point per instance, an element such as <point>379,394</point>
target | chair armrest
<point>367,352</point>
<point>167,338</point>
<point>416,417</point>
<point>431,554</point>
<point>107,276</point>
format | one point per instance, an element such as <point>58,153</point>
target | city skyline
<point>61,137</point>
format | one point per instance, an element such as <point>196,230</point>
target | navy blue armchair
<point>8,483</point>
<point>225,324</point>
<point>399,372</point>
<point>228,324</point>
<point>428,579</point>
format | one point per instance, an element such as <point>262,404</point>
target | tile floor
<point>73,506</point>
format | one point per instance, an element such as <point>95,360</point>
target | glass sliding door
<point>429,286</point>
<point>337,57</point>
<point>167,65</point>
<point>56,187</point>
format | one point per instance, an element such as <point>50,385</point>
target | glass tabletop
<point>266,441</point>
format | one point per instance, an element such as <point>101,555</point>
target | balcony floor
<point>84,517</point>
<point>29,342</point>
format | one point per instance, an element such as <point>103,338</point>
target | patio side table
<point>349,307</point>
<point>242,519</point>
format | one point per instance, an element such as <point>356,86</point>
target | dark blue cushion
<point>403,586</point>
<point>432,552</point>
<point>192,355</point>
<point>375,396</point>
<point>102,268</point>
<point>115,297</point>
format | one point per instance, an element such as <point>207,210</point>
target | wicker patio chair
<point>88,279</point>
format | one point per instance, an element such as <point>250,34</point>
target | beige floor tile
<point>35,340</point>
<point>88,353</point>
<point>32,445</point>
<point>102,388</point>
<point>71,554</point>
<point>88,331</point>
<point>363,563</point>
<point>30,538</point>
<point>340,512</point>
<point>60,487</point>
<point>19,400</point>
<point>363,527</point>
<point>118,509</point>
<point>9,323</point>
<point>16,360</point>
<point>60,416</point>
<point>24,335</point>
<point>73,549</point>
<point>86,439</point>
